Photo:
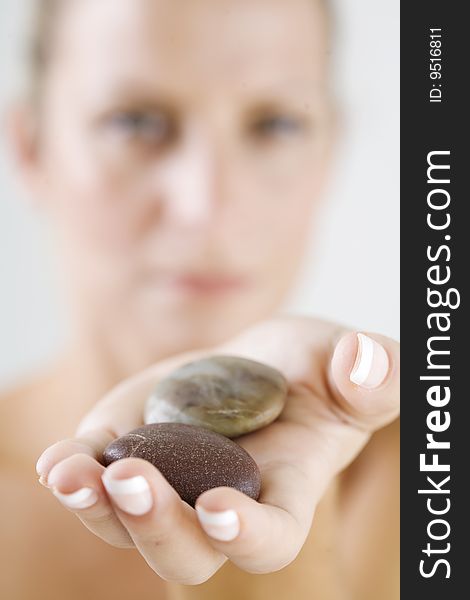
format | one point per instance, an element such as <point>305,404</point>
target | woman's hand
<point>342,388</point>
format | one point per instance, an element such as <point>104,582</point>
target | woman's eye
<point>150,128</point>
<point>277,125</point>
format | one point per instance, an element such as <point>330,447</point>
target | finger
<point>76,483</point>
<point>163,527</point>
<point>263,536</point>
<point>91,443</point>
<point>365,376</point>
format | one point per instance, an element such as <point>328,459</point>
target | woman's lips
<point>197,284</point>
<point>208,284</point>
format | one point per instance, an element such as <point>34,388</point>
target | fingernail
<point>40,467</point>
<point>371,365</point>
<point>132,495</point>
<point>223,526</point>
<point>43,481</point>
<point>82,498</point>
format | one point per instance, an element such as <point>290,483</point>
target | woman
<point>180,150</point>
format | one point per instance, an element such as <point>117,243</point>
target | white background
<point>352,271</point>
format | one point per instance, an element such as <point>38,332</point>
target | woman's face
<point>183,145</point>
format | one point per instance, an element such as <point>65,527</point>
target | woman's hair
<point>45,17</point>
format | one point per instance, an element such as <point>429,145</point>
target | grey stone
<point>226,394</point>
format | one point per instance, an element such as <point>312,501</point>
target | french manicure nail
<point>371,365</point>
<point>82,498</point>
<point>131,495</point>
<point>223,525</point>
<point>40,466</point>
<point>43,481</point>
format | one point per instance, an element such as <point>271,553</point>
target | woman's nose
<point>190,185</point>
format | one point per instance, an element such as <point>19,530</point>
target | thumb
<point>365,379</point>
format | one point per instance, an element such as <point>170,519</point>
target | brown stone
<point>191,458</point>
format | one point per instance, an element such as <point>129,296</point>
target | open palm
<point>326,422</point>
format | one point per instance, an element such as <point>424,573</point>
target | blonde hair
<point>41,31</point>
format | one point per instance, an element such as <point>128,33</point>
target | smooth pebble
<point>226,394</point>
<point>191,458</point>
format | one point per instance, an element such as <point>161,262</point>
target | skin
<point>188,156</point>
<point>173,151</point>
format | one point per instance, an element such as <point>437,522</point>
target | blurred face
<point>183,145</point>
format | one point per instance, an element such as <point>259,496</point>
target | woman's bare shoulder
<point>16,395</point>
<point>23,408</point>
